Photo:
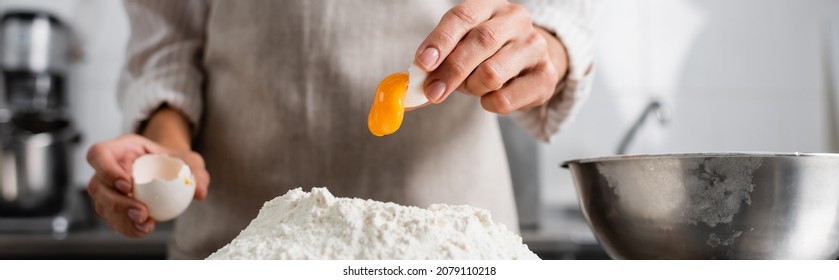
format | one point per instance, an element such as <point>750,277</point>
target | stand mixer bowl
<point>712,205</point>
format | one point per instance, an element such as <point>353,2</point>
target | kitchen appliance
<point>35,48</point>
<point>36,132</point>
<point>712,205</point>
<point>35,170</point>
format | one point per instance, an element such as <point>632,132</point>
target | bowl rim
<point>567,163</point>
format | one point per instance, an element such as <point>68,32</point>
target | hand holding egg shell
<point>164,184</point>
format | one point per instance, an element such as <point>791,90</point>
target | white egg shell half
<point>165,184</point>
<point>415,96</point>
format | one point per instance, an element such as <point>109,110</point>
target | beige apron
<point>289,84</point>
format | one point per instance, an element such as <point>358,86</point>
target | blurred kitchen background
<point>713,75</point>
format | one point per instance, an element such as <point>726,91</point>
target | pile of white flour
<point>317,225</point>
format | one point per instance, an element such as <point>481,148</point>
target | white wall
<point>103,30</point>
<point>744,75</point>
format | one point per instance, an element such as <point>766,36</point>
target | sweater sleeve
<point>163,58</point>
<point>571,21</point>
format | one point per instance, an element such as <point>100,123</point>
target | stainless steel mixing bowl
<point>712,205</point>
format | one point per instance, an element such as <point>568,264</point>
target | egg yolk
<point>388,108</point>
<point>186,181</point>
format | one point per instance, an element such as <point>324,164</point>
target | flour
<point>718,187</point>
<point>709,190</point>
<point>317,225</point>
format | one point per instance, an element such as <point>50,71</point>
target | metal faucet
<point>662,113</point>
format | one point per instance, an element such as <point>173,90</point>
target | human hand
<point>111,185</point>
<point>490,49</point>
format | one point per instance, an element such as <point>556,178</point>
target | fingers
<point>490,49</point>
<point>480,43</point>
<point>453,26</point>
<point>199,170</point>
<point>112,160</point>
<point>132,147</point>
<point>123,214</point>
<point>507,63</point>
<point>202,184</point>
<point>102,158</point>
<point>111,186</point>
<point>533,88</point>
<point>123,186</point>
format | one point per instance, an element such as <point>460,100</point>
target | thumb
<point>106,165</point>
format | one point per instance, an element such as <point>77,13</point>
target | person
<point>267,96</point>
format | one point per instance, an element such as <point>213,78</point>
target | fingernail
<point>140,227</point>
<point>435,90</point>
<point>122,186</point>
<point>428,57</point>
<point>134,214</point>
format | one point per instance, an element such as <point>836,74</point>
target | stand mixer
<point>36,131</point>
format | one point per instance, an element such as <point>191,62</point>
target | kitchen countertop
<point>81,236</point>
<point>562,234</point>
<point>97,242</point>
<point>564,237</point>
